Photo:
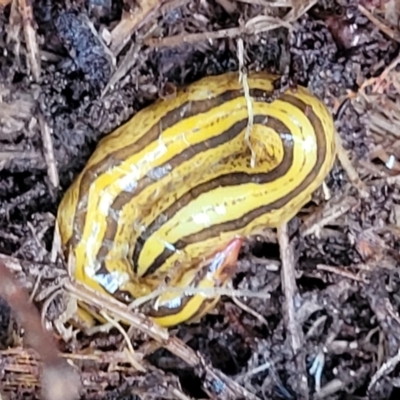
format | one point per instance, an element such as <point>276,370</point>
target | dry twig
<point>330,212</point>
<point>395,35</point>
<point>121,312</point>
<point>299,8</point>
<point>256,25</point>
<point>25,9</point>
<point>384,370</point>
<point>48,151</point>
<point>130,22</point>
<point>341,271</point>
<point>289,287</point>
<point>350,170</point>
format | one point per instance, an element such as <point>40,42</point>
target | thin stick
<point>380,25</point>
<point>350,170</point>
<point>48,151</point>
<point>289,288</point>
<point>25,9</point>
<point>120,311</point>
<point>262,23</point>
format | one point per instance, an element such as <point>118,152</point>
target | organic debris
<point>313,309</point>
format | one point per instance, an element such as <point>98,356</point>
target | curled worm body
<point>174,187</point>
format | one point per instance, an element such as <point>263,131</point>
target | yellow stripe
<point>102,202</point>
<point>216,207</point>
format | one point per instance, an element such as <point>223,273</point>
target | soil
<point>345,244</point>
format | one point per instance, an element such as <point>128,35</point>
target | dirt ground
<point>318,317</point>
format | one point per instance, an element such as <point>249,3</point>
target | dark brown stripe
<point>231,179</point>
<point>175,161</point>
<point>186,110</point>
<point>238,178</point>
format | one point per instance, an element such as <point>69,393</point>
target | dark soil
<point>347,270</point>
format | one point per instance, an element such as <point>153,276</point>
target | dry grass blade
<point>49,153</point>
<point>117,310</point>
<point>352,173</point>
<point>128,61</point>
<point>384,370</point>
<point>25,9</point>
<point>330,213</point>
<point>299,8</point>
<point>130,22</point>
<point>256,25</point>
<point>264,23</point>
<point>395,35</point>
<point>342,272</point>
